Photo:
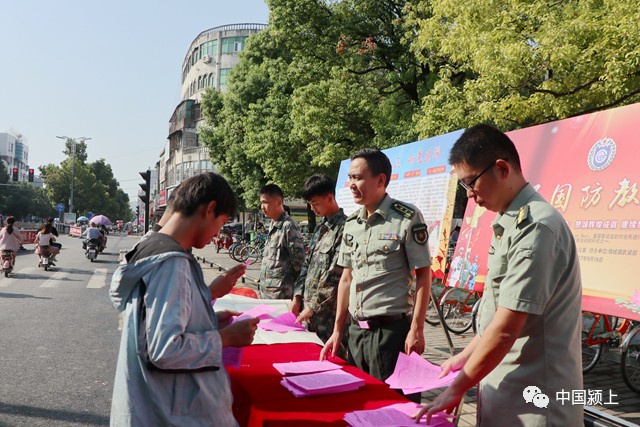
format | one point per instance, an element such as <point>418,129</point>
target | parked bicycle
<point>600,331</point>
<point>459,308</point>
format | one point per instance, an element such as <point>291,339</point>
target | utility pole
<point>72,142</point>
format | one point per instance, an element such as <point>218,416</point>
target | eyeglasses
<point>469,185</point>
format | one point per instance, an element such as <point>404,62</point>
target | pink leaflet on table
<point>261,311</point>
<point>305,367</point>
<point>284,323</point>
<point>413,374</point>
<point>330,382</point>
<point>397,415</point>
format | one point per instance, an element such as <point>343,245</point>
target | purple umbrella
<point>100,220</point>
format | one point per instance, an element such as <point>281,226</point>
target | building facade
<point>207,63</point>
<point>14,153</point>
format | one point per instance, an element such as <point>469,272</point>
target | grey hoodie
<point>169,371</point>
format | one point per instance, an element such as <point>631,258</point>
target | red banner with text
<point>586,167</point>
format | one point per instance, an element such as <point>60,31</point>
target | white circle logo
<point>601,154</point>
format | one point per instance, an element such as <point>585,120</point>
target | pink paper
<point>261,311</point>
<point>232,356</point>
<point>397,415</point>
<point>413,374</point>
<point>305,367</point>
<point>329,382</point>
<point>283,323</point>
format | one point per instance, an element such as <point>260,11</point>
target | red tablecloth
<point>260,400</point>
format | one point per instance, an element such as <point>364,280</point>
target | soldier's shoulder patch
<point>420,233</point>
<point>523,214</point>
<point>348,239</point>
<point>354,215</point>
<point>404,210</point>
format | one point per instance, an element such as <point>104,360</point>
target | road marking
<point>16,276</point>
<point>54,281</point>
<point>98,279</point>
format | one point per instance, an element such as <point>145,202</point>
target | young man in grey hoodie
<point>170,370</point>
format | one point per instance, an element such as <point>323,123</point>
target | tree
<point>95,188</point>
<point>322,81</point>
<point>521,63</point>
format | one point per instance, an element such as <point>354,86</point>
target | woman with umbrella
<point>102,221</point>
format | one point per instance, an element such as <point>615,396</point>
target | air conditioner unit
<point>206,59</point>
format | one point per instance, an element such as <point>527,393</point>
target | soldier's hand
<point>331,346</point>
<point>414,342</point>
<point>454,363</point>
<point>446,401</point>
<point>240,333</point>
<point>296,303</point>
<point>305,315</point>
<point>222,285</point>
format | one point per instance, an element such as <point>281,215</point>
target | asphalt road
<point>59,338</point>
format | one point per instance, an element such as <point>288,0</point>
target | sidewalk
<point>605,377</point>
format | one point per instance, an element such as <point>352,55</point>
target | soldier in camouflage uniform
<point>382,243</point>
<point>284,251</point>
<point>317,287</point>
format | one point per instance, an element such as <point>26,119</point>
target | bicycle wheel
<point>630,363</point>
<point>458,309</point>
<point>235,253</point>
<point>250,253</point>
<point>432,314</point>
<point>590,353</point>
<point>232,248</point>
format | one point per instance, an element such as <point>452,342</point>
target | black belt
<point>377,321</point>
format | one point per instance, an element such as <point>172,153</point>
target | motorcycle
<point>7,262</point>
<point>93,247</point>
<point>223,240</point>
<point>45,257</point>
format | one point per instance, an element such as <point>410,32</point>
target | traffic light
<point>31,171</point>
<point>146,175</point>
<point>15,174</point>
<point>137,210</point>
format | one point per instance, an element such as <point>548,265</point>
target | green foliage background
<point>327,78</point>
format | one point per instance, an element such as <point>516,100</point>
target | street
<point>60,338</point>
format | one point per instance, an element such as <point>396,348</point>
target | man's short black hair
<point>201,190</point>
<point>481,145</point>
<point>271,190</point>
<point>377,162</point>
<point>318,185</point>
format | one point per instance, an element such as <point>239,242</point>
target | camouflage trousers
<point>280,292</point>
<point>322,323</point>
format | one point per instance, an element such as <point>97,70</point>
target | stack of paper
<point>284,323</point>
<point>414,374</point>
<point>305,367</point>
<point>398,415</point>
<point>328,382</point>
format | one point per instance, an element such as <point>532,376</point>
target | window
<point>233,44</point>
<point>223,76</point>
<point>212,82</point>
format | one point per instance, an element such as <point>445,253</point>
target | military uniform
<point>282,259</point>
<point>318,281</point>
<point>533,268</point>
<point>382,250</point>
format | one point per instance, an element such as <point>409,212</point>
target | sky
<point>105,70</point>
